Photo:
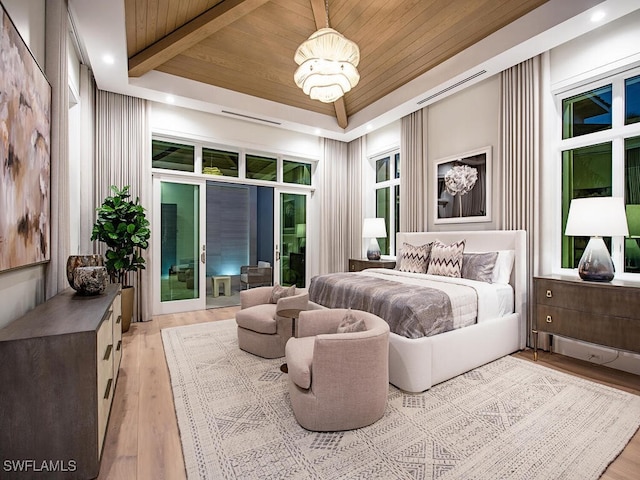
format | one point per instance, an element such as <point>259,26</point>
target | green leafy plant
<point>123,227</point>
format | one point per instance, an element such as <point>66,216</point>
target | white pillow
<point>504,265</point>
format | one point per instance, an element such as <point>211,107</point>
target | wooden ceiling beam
<point>191,33</point>
<point>320,16</point>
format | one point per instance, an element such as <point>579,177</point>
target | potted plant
<point>122,225</point>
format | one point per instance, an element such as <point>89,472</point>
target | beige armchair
<point>264,327</point>
<point>338,381</point>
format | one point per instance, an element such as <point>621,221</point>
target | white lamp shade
<point>597,216</point>
<point>374,228</point>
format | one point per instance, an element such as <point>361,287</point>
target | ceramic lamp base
<point>596,264</point>
<point>373,252</point>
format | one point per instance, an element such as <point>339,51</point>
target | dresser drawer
<point>616,332</point>
<point>588,297</point>
<point>105,379</point>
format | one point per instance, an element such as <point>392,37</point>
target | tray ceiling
<point>248,46</point>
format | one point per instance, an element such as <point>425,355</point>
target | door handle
<point>203,256</point>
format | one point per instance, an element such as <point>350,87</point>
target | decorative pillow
<point>414,259</point>
<point>478,266</point>
<point>279,292</point>
<point>504,265</point>
<point>351,324</point>
<point>446,260</point>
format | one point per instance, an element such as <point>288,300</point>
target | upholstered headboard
<point>486,241</point>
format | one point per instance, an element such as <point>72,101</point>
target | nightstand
<point>601,313</point>
<point>359,264</point>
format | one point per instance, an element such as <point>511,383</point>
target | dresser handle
<point>107,391</point>
<point>549,319</point>
<point>119,345</point>
<point>549,294</point>
<point>118,319</point>
<point>107,352</point>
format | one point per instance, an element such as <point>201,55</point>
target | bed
<point>415,364</point>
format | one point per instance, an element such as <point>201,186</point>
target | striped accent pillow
<point>414,258</point>
<point>446,260</point>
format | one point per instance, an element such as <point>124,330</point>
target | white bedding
<point>471,301</point>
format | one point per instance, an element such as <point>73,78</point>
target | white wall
<point>215,129</point>
<point>23,289</point>
<point>601,52</point>
<point>28,17</point>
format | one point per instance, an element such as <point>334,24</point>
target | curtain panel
<point>355,156</point>
<point>334,206</point>
<point>413,172</point>
<point>520,134</point>
<point>56,67</point>
<point>123,157</point>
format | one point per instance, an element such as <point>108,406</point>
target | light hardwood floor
<point>143,441</point>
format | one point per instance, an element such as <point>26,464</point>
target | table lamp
<point>596,217</point>
<point>374,228</point>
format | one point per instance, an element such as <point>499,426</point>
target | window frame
<point>390,184</point>
<point>616,135</point>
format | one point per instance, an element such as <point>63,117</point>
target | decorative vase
<point>90,280</point>
<point>75,261</point>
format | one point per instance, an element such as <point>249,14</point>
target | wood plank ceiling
<point>248,45</point>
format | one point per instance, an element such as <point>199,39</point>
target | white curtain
<point>56,34</point>
<point>355,156</point>
<point>334,217</point>
<point>123,157</point>
<point>87,151</point>
<point>520,131</point>
<point>413,172</point>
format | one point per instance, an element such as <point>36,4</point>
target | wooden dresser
<point>359,264</point>
<point>58,368</point>
<point>600,313</point>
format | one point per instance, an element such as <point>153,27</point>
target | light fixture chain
<point>326,9</point>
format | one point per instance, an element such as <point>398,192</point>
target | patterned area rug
<point>510,419</point>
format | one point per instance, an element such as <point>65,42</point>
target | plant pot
<point>127,307</point>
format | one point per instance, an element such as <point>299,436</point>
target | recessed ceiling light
<point>369,127</point>
<point>108,59</point>
<point>317,131</point>
<point>597,15</point>
<point>170,99</point>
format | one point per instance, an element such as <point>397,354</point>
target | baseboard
<point>597,354</point>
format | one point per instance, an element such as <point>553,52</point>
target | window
<point>600,154</point>
<point>262,168</point>
<point>587,112</point>
<point>172,156</point>
<point>387,198</point>
<point>219,162</point>
<point>632,201</point>
<point>296,172</point>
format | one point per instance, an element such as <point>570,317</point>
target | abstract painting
<point>25,136</point>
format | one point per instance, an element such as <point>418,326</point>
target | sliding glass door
<point>178,245</point>
<point>292,239</point>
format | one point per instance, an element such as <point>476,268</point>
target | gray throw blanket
<point>411,311</point>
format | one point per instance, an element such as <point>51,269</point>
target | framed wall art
<point>25,136</point>
<point>462,186</point>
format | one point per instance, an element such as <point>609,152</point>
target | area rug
<point>510,419</point>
